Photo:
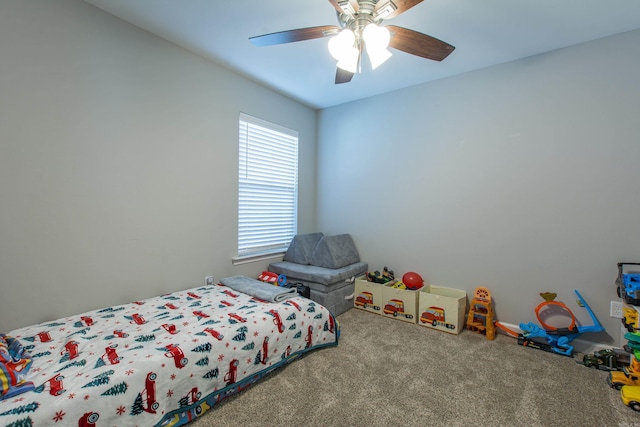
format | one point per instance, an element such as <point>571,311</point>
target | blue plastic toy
<point>554,339</point>
<point>282,280</point>
<point>628,284</point>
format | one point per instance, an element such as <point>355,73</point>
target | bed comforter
<point>161,361</point>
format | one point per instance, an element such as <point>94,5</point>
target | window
<point>267,187</point>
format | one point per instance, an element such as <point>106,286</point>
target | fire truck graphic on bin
<point>365,300</point>
<point>395,308</point>
<point>435,316</point>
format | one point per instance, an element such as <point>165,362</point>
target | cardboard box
<point>442,308</point>
<point>368,295</point>
<point>400,304</point>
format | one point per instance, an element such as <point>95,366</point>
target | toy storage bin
<point>400,304</point>
<point>368,295</point>
<point>442,308</point>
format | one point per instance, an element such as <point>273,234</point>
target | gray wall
<point>118,157</point>
<point>118,162</point>
<point>522,177</point>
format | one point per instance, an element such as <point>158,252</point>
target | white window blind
<point>268,187</point>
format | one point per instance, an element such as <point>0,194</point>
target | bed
<point>162,361</point>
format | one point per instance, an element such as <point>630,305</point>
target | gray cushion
<point>325,277</point>
<point>301,248</point>
<point>335,252</point>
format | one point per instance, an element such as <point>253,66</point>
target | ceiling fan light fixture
<point>347,7</point>
<point>376,37</point>
<point>376,40</point>
<point>349,61</point>
<point>359,30</point>
<point>378,57</point>
<point>385,10</point>
<point>340,45</point>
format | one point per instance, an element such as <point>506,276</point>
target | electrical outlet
<point>616,309</point>
<point>208,280</point>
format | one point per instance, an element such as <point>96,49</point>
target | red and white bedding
<point>162,361</point>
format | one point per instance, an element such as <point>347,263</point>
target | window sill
<point>246,259</point>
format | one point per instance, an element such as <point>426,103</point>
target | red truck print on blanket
<point>238,318</point>
<point>120,334</point>
<point>217,335</point>
<point>265,351</point>
<point>54,384</point>
<point>149,393</point>
<point>110,355</point>
<point>71,348</point>
<point>137,319</point>
<point>178,356</point>
<point>192,397</point>
<point>44,336</point>
<point>89,419</point>
<point>232,374</point>
<point>277,320</point>
<point>170,328</point>
<point>309,338</point>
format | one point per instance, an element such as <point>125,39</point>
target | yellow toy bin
<point>442,308</point>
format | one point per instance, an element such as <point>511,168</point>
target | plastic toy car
<point>619,379</point>
<point>630,319</point>
<point>628,284</point>
<point>606,360</point>
<point>629,375</point>
<point>630,395</point>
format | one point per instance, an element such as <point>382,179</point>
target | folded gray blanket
<point>259,289</point>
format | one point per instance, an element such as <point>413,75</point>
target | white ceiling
<point>484,32</point>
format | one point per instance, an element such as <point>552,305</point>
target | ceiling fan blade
<point>353,3</point>
<point>295,35</point>
<point>343,76</point>
<point>418,44</point>
<point>402,6</point>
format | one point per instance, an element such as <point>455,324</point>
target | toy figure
<point>384,277</point>
<point>556,339</point>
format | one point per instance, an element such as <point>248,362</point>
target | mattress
<point>162,361</point>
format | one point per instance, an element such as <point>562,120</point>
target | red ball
<point>412,280</point>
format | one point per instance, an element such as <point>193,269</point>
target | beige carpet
<point>386,372</point>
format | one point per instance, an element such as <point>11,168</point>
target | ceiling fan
<point>360,30</point>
